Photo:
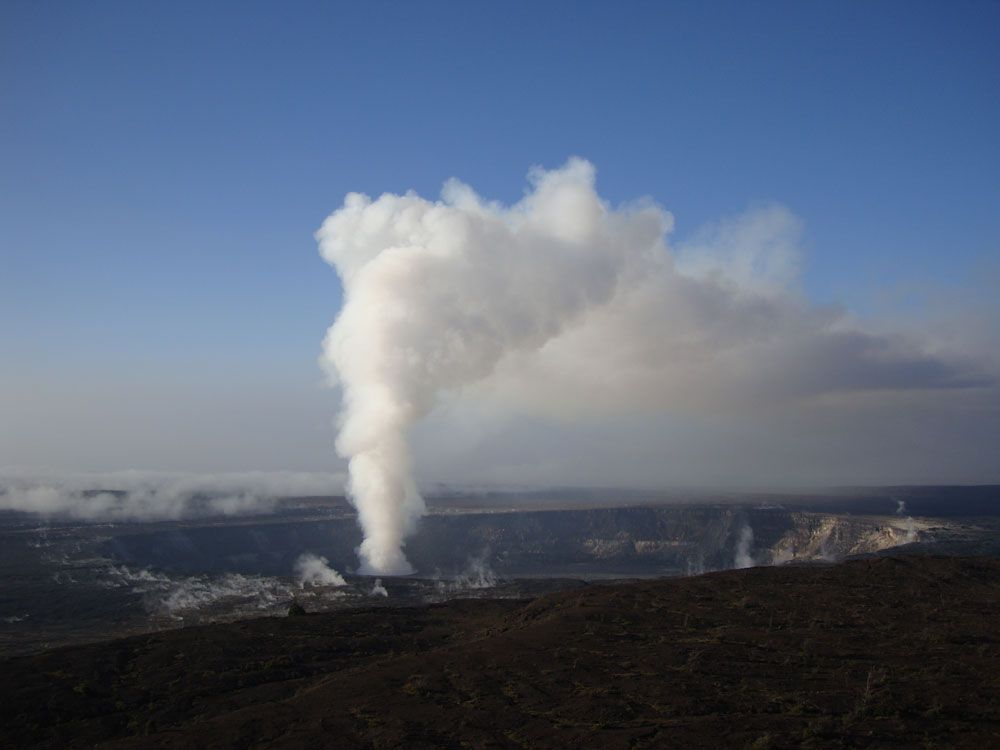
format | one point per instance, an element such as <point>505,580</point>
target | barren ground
<point>888,652</point>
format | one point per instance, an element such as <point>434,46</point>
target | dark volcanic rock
<point>888,652</point>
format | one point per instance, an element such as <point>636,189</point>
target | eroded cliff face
<point>825,537</point>
<point>696,540</point>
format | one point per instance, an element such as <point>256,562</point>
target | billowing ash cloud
<point>562,307</point>
<point>156,496</point>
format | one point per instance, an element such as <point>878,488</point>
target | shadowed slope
<point>886,652</point>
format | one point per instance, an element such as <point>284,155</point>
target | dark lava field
<point>879,652</point>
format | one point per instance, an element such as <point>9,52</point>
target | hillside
<point>886,652</point>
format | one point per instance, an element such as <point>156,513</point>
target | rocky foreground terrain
<point>881,652</point>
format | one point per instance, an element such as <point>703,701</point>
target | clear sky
<point>163,167</point>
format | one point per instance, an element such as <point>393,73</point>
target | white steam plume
<point>744,548</point>
<point>561,307</point>
<point>437,293</point>
<point>314,570</point>
<point>911,525</point>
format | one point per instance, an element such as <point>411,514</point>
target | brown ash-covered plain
<point>882,652</point>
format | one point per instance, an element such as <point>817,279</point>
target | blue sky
<point>164,165</point>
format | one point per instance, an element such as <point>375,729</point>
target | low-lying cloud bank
<point>156,496</point>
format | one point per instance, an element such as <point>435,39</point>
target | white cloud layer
<point>156,496</point>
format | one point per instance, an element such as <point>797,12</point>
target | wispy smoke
<point>378,589</point>
<point>696,562</point>
<point>477,575</point>
<point>183,595</point>
<point>152,496</point>
<point>743,557</point>
<point>911,525</point>
<point>562,307</point>
<point>314,570</point>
